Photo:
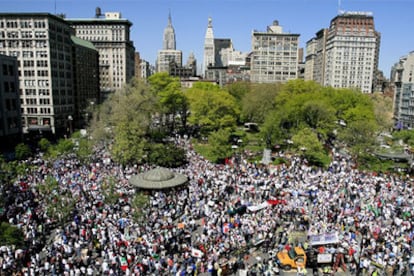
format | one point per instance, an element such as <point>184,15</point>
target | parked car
<point>293,258</point>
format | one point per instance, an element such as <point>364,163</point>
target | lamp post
<point>70,120</point>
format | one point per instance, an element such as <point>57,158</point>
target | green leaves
<point>22,151</point>
<point>312,111</point>
<point>124,120</point>
<point>166,155</point>
<point>212,108</point>
<point>10,235</point>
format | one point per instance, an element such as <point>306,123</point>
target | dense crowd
<point>214,224</point>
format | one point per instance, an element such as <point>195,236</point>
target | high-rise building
<point>274,55</point>
<point>222,63</point>
<point>346,54</point>
<point>86,80</point>
<point>137,64</point>
<point>43,47</point>
<point>110,34</point>
<point>402,77</point>
<point>10,116</point>
<point>169,36</point>
<point>169,55</point>
<point>146,69</point>
<point>209,51</point>
<point>315,57</point>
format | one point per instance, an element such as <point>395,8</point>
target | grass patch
<point>204,150</point>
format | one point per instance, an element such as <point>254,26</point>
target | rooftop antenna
<point>339,7</point>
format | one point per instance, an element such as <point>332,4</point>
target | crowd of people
<point>227,218</point>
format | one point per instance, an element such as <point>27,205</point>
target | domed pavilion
<point>158,179</point>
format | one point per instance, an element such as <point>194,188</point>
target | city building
<point>110,35</point>
<point>402,79</point>
<point>209,52</point>
<point>86,80</point>
<point>137,64</point>
<point>222,63</point>
<point>167,57</point>
<point>301,65</point>
<point>42,44</point>
<point>10,116</point>
<point>274,55</point>
<point>146,69</point>
<point>169,54</point>
<point>346,54</point>
<point>187,71</point>
<point>315,57</point>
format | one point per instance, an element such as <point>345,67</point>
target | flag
<point>196,253</point>
<point>226,228</point>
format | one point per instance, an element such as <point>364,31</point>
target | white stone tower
<point>208,47</point>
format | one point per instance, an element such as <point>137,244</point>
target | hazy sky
<point>236,19</point>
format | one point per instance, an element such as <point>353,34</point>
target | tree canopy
<point>211,107</point>
<point>345,114</point>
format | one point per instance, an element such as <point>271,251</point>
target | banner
<point>258,207</point>
<point>326,238</point>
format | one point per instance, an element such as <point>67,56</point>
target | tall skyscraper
<point>346,54</point>
<point>274,55</point>
<point>43,47</point>
<point>169,36</point>
<point>169,56</point>
<point>402,78</point>
<point>209,52</point>
<point>110,34</point>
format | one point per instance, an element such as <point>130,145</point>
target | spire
<point>169,35</point>
<point>208,46</point>
<point>169,19</point>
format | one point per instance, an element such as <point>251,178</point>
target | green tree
<point>166,155</point>
<point>11,235</point>
<point>239,90</point>
<point>44,144</point>
<point>383,110</point>
<point>172,102</point>
<point>258,102</point>
<point>319,115</point>
<point>220,145</point>
<point>360,131</point>
<point>83,146</point>
<point>302,105</point>
<point>62,147</point>
<point>139,203</point>
<point>407,136</point>
<point>307,144</point>
<point>274,130</point>
<point>109,191</point>
<point>132,110</point>
<point>59,204</point>
<point>101,123</point>
<point>294,88</point>
<point>22,151</point>
<point>160,81</point>
<point>211,107</point>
